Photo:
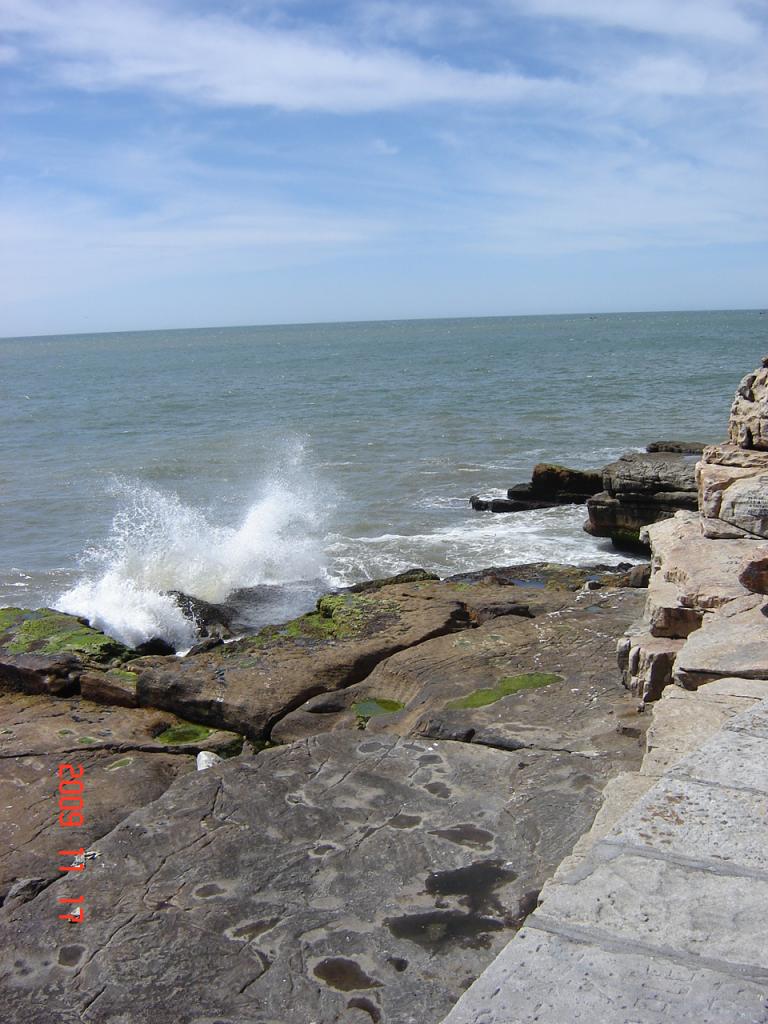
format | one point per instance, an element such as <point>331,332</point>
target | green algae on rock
<point>504,688</point>
<point>337,617</point>
<point>185,732</point>
<point>46,631</point>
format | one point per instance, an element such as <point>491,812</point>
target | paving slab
<point>721,762</point>
<point>549,978</point>
<point>666,918</point>
<point>691,819</point>
<point>665,908</point>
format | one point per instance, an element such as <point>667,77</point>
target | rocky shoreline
<point>401,770</point>
<point>625,496</point>
<point>659,912</point>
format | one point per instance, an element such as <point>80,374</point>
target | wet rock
<point>248,684</point>
<point>514,683</point>
<point>562,483</point>
<point>155,645</point>
<point>507,504</point>
<point>546,575</point>
<point>209,619</point>
<point>680,447</point>
<point>409,576</point>
<point>550,485</point>
<point>41,724</point>
<point>372,873</point>
<point>115,686</point>
<point>129,758</point>
<point>37,734</point>
<point>45,651</point>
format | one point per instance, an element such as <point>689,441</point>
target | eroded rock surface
<point>129,759</point>
<point>641,488</point>
<point>345,875</point>
<point>748,427</point>
<point>547,683</point>
<point>248,684</point>
<point>732,642</point>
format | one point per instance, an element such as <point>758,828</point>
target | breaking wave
<point>158,543</point>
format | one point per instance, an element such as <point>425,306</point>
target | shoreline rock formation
<point>659,913</point>
<point>639,489</point>
<point>370,865</point>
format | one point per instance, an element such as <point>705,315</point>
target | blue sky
<point>171,164</point>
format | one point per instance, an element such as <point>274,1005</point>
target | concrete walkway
<point>665,919</point>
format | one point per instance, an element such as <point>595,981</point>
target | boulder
<point>550,485</point>
<point>45,651</point>
<point>208,619</point>
<point>248,684</point>
<point>748,426</point>
<point>562,484</point>
<point>733,485</point>
<point>641,488</point>
<point>346,878</point>
<point>510,504</point>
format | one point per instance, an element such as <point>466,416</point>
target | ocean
<point>315,456</point>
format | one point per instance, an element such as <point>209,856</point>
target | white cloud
<point>719,20</point>
<point>221,62</point>
<point>681,75</point>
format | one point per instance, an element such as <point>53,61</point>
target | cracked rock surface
<point>368,871</point>
<point>343,874</point>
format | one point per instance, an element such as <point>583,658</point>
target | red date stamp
<point>72,815</point>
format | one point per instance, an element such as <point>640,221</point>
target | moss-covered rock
<point>337,617</point>
<point>45,631</point>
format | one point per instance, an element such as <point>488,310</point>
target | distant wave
<point>157,543</point>
<point>479,540</point>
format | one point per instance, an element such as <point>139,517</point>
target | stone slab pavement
<point>665,919</point>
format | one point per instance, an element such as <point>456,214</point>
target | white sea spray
<point>157,543</point>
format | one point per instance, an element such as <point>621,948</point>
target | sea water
<point>318,455</point>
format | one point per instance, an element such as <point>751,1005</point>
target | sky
<point>169,164</point>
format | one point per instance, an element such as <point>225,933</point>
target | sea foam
<point>158,543</point>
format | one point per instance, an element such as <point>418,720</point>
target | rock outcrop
<point>639,489</point>
<point>545,683</point>
<point>367,871</point>
<point>45,651</point>
<point>550,485</point>
<point>248,684</point>
<point>748,426</point>
<point>349,877</point>
<point>707,567</point>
